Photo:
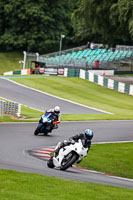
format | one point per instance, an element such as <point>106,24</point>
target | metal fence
<point>10,108</point>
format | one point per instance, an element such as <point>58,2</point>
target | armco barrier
<point>10,108</point>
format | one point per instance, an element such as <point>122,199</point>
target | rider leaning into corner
<point>55,113</point>
<point>85,137</point>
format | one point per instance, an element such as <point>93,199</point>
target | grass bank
<point>9,61</point>
<point>20,186</point>
<point>87,93</point>
<point>114,159</point>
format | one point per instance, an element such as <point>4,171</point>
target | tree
<point>33,25</point>
<point>104,21</point>
<point>122,19</point>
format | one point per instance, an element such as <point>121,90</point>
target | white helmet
<point>57,109</point>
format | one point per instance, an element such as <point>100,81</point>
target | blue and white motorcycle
<point>46,124</point>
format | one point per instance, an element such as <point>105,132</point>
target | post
<point>62,36</point>
<point>18,110</point>
<point>24,52</point>
<point>1,108</point>
<point>37,56</point>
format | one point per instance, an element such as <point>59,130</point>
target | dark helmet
<point>57,109</point>
<point>88,134</point>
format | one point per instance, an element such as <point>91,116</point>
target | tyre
<point>45,132</point>
<point>37,129</point>
<point>66,164</point>
<point>50,163</point>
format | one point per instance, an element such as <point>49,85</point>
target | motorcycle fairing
<point>46,117</point>
<point>77,147</point>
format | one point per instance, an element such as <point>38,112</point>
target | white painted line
<point>93,121</point>
<point>43,151</point>
<point>121,178</point>
<point>110,142</point>
<point>48,149</point>
<point>4,123</point>
<point>57,97</point>
<point>92,171</point>
<point>42,155</point>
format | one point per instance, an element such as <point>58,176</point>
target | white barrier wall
<point>91,77</point>
<point>106,82</point>
<point>8,73</point>
<point>131,90</point>
<point>24,72</point>
<point>82,74</point>
<point>110,83</point>
<point>100,80</point>
<point>121,87</point>
<point>65,72</point>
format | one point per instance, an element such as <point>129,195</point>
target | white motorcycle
<point>68,155</point>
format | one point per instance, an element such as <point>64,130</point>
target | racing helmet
<point>57,109</point>
<point>88,134</point>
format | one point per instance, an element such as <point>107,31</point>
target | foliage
<point>109,22</point>
<point>33,25</point>
<point>36,26</point>
<point>121,17</point>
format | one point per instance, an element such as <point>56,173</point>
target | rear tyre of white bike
<point>50,163</point>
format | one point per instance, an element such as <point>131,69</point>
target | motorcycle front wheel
<point>37,131</point>
<point>68,163</point>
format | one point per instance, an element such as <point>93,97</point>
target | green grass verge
<point>10,61</point>
<point>115,159</point>
<point>87,93</point>
<point>29,113</point>
<point>21,186</point>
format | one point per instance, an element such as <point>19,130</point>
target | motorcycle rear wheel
<point>50,163</point>
<point>70,162</point>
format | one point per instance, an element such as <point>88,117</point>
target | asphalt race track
<point>39,100</point>
<point>18,138</point>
